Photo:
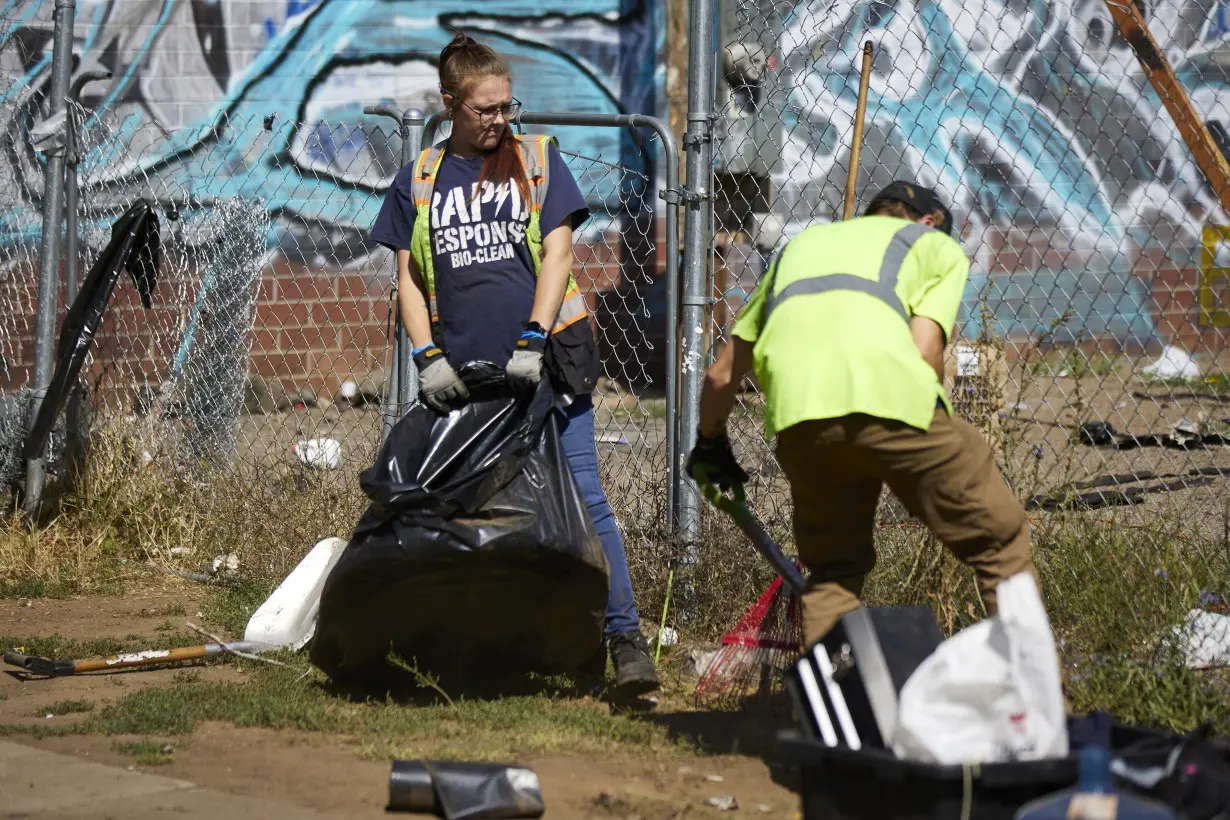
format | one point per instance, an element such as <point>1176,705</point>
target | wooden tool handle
<point>1161,75</point>
<point>856,145</point>
<point>147,657</point>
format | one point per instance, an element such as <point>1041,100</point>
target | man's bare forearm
<point>721,386</point>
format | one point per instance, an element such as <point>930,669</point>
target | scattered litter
<point>228,563</point>
<point>349,390</point>
<point>685,771</point>
<point>763,809</point>
<point>146,457</point>
<point>669,636</point>
<point>1019,405</point>
<point>967,361</point>
<point>723,802</point>
<point>701,660</point>
<point>48,716</point>
<point>132,768</point>
<point>1174,363</point>
<point>1204,639</point>
<point>1063,374</point>
<point>1183,435</point>
<point>179,550</point>
<point>714,778</point>
<point>319,452</point>
<point>474,790</point>
<point>303,400</point>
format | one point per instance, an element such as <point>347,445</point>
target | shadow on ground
<point>750,731</point>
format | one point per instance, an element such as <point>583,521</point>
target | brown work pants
<point>945,476</point>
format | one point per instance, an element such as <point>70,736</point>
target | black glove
<point>712,460</point>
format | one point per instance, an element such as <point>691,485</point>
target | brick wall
<point>314,329</point>
<point>1171,290</point>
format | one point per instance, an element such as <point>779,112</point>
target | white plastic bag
<point>990,693</point>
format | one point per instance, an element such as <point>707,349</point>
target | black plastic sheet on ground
<point>476,558</point>
<point>1071,496</point>
<point>136,245</point>
<point>1102,434</point>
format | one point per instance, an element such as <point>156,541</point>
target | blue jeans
<point>577,437</point>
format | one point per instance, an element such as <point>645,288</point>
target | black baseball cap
<point>923,200</point>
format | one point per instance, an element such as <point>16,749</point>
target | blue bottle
<point>1094,798</point>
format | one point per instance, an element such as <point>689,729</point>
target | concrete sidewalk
<point>40,784</point>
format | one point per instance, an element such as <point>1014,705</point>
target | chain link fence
<point>1091,345</point>
<point>1094,238</point>
<point>264,357</point>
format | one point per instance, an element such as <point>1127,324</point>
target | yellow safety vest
<point>830,321</point>
<point>532,149</point>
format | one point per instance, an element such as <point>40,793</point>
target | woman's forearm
<point>553,276</point>
<point>412,301</point>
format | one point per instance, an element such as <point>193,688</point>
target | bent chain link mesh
<point>1091,295</point>
<point>268,339</point>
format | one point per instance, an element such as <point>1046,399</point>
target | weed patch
<point>147,752</point>
<point>384,726</point>
<point>66,707</point>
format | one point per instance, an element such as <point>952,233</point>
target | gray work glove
<point>524,369</point>
<point>438,382</point>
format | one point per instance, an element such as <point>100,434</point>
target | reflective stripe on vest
<point>884,288</point>
<point>532,151</point>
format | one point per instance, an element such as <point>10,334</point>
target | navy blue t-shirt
<point>484,273</point>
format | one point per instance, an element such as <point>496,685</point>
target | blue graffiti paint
<point>1106,304</point>
<point>227,152</point>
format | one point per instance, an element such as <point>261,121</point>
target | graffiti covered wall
<point>270,93</point>
<point>1071,184</point>
<point>263,100</point>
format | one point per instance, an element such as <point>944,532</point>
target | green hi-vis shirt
<point>833,336</point>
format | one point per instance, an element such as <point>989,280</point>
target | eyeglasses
<point>487,116</point>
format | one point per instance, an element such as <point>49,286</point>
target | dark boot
<point>635,674</point>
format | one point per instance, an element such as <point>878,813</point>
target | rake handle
<point>736,507</point>
<point>55,668</point>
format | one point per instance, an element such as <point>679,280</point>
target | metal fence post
<point>49,253</point>
<point>75,421</point>
<point>412,121</point>
<point>696,252</point>
<point>391,408</point>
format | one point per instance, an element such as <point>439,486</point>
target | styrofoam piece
<point>288,616</point>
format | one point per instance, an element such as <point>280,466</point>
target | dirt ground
<point>328,773</point>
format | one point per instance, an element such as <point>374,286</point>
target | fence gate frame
<point>416,131</point>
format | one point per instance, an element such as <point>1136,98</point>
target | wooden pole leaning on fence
<point>856,144</point>
<point>1195,133</point>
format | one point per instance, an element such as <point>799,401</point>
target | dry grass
<point>136,505</point>
<point>1113,591</point>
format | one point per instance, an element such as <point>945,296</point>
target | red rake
<point>769,636</point>
<point>762,645</point>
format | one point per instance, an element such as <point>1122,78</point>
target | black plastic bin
<point>873,784</point>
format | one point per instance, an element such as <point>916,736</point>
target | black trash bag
<point>476,559</point>
<point>135,245</point>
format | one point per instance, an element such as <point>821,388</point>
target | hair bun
<point>460,42</point>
